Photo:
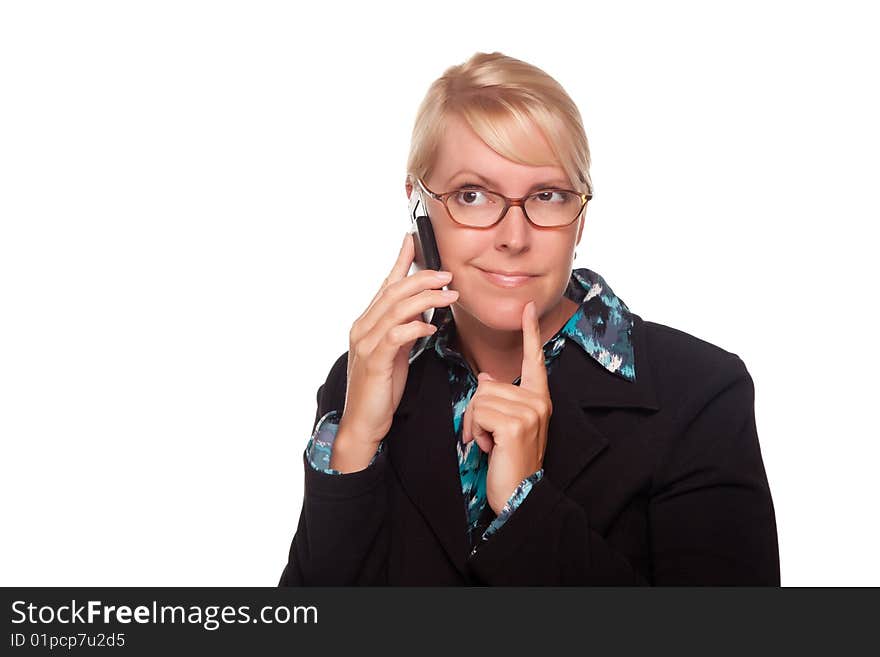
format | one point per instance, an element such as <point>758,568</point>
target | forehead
<point>461,148</point>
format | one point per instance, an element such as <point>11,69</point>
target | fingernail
<point>443,275</point>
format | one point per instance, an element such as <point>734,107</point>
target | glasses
<point>476,207</point>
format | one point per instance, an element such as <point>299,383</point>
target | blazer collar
<point>421,443</point>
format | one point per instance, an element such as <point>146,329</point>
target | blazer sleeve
<point>710,515</point>
<point>517,497</point>
<point>319,449</point>
<point>342,535</point>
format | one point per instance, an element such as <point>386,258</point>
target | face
<point>513,245</point>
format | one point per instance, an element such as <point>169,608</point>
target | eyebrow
<point>558,182</point>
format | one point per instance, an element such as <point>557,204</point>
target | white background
<point>197,199</point>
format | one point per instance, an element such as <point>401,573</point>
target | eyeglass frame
<point>508,203</point>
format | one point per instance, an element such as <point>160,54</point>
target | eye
<point>547,196</point>
<point>470,197</point>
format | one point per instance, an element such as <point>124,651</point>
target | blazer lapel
<point>578,383</point>
<point>422,452</point>
<point>422,444</point>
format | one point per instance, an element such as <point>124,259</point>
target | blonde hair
<point>500,97</point>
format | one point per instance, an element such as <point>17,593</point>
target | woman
<point>544,434</point>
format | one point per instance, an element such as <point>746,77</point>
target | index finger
<point>403,262</point>
<point>534,371</point>
<point>398,271</point>
<point>401,265</point>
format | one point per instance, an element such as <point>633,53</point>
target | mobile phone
<point>427,255</point>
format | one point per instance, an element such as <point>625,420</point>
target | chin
<point>500,314</point>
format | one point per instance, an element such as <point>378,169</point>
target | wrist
<point>350,452</point>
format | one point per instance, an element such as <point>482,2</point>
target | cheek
<point>460,250</point>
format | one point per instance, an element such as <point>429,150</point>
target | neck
<point>500,353</point>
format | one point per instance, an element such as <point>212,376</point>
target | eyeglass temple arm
<point>428,191</point>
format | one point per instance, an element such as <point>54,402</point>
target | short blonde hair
<point>499,97</point>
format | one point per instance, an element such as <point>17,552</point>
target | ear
<point>409,187</point>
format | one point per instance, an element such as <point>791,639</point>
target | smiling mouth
<point>503,280</point>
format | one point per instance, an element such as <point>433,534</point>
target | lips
<point>508,273</point>
<point>514,279</point>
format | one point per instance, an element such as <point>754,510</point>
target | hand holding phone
<point>380,342</point>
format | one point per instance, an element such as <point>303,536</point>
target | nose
<point>513,231</point>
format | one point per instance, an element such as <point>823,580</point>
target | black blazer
<point>658,481</point>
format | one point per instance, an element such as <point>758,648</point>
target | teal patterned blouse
<point>601,326</point>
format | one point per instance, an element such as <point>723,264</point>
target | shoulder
<point>672,345</point>
<point>339,368</point>
<point>686,368</point>
<point>331,394</point>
